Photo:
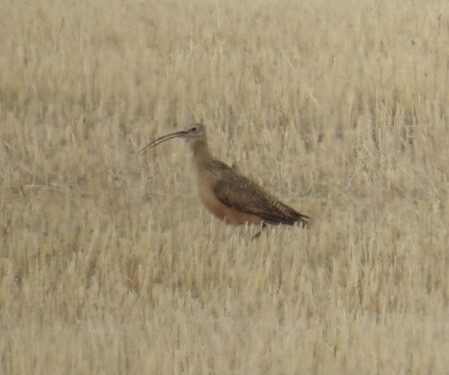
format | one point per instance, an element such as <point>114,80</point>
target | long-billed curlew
<point>226,193</point>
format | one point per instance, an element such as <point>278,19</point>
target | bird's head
<point>194,133</point>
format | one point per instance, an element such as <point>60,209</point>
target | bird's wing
<point>239,192</point>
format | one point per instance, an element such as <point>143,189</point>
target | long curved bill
<point>160,140</point>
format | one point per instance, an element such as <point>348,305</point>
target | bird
<point>229,195</point>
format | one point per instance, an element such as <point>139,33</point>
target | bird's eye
<point>195,129</point>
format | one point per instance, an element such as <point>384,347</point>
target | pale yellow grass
<point>109,265</point>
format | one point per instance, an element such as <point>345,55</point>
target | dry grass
<point>108,265</point>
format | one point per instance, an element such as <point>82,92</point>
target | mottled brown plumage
<point>225,192</point>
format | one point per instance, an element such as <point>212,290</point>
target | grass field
<point>109,264</point>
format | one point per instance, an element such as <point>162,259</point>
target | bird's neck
<point>201,153</point>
